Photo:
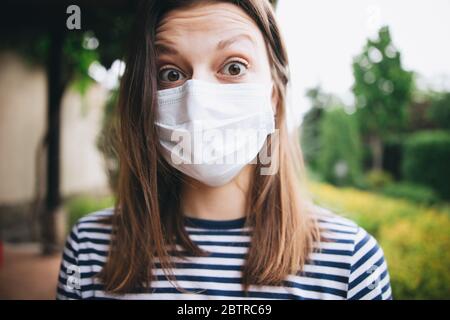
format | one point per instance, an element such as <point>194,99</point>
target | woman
<point>199,216</point>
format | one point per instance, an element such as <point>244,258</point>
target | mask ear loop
<point>272,98</point>
<point>293,116</point>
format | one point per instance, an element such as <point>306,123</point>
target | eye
<point>170,75</point>
<point>234,68</point>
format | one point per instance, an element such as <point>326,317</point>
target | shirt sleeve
<point>369,275</point>
<point>69,279</point>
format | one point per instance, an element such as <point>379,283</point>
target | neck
<point>226,202</point>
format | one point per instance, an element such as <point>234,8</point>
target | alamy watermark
<point>73,281</point>
<point>373,280</point>
<point>73,21</point>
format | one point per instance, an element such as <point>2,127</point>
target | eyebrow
<point>165,49</point>
<point>228,42</point>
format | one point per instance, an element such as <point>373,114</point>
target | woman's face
<point>214,42</point>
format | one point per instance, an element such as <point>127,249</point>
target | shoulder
<point>331,222</point>
<point>368,276</point>
<point>91,230</point>
<point>334,227</point>
<point>84,254</point>
<point>100,217</point>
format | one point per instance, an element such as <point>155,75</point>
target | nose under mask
<point>210,131</point>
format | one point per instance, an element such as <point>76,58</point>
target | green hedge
<point>427,160</point>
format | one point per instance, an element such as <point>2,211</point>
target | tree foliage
<point>340,148</point>
<point>382,86</point>
<point>382,90</point>
<point>439,111</point>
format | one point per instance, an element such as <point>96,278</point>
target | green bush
<point>415,237</point>
<point>411,191</point>
<point>376,179</point>
<point>426,160</point>
<point>418,256</point>
<point>80,206</point>
<point>340,148</point>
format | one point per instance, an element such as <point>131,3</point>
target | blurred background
<point>370,90</point>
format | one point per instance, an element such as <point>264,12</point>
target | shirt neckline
<point>215,224</point>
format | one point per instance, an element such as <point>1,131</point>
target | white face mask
<point>211,131</point>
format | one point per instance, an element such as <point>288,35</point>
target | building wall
<point>23,99</point>
<point>82,164</point>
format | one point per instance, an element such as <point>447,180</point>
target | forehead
<point>207,22</point>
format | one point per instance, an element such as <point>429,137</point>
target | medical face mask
<point>211,131</point>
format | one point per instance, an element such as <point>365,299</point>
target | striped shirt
<point>348,265</point>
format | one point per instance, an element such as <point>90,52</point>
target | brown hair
<point>148,221</point>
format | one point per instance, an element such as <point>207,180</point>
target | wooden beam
<point>56,85</point>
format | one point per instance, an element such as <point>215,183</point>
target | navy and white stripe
<point>349,264</point>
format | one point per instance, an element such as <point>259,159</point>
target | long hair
<point>148,223</point>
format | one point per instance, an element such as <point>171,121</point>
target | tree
<point>439,111</point>
<point>310,128</point>
<point>382,90</point>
